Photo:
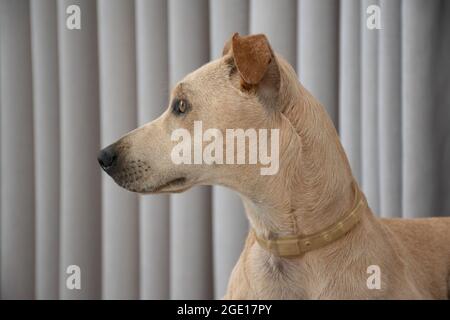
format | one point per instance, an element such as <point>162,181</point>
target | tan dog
<point>314,190</point>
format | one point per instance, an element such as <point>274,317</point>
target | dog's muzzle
<point>127,173</point>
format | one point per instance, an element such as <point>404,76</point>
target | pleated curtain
<point>64,94</point>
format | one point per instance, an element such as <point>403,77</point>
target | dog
<point>313,235</point>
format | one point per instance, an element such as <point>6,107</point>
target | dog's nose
<point>107,158</point>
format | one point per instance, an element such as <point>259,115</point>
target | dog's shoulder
<point>423,236</point>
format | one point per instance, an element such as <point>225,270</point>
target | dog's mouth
<point>170,186</point>
<point>134,176</point>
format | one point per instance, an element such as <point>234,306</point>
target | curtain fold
<point>47,146</point>
<point>318,25</point>
<point>350,83</point>
<point>17,163</point>
<point>389,110</point>
<point>80,226</point>
<point>64,94</point>
<point>419,43</point>
<point>369,109</point>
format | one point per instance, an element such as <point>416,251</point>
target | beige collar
<point>296,246</point>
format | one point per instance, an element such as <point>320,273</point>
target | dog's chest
<point>274,278</point>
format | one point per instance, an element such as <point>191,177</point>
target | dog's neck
<point>313,188</point>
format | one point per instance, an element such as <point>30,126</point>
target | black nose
<point>107,158</point>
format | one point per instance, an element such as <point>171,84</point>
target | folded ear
<point>255,61</point>
<point>252,56</point>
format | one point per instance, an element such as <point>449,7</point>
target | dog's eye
<point>179,106</point>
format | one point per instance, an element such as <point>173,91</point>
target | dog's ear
<point>255,62</point>
<point>252,56</point>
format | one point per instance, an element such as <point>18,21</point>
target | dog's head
<point>239,91</point>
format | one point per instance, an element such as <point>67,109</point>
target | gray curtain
<point>64,94</point>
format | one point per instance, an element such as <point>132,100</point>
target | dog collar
<point>296,246</point>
